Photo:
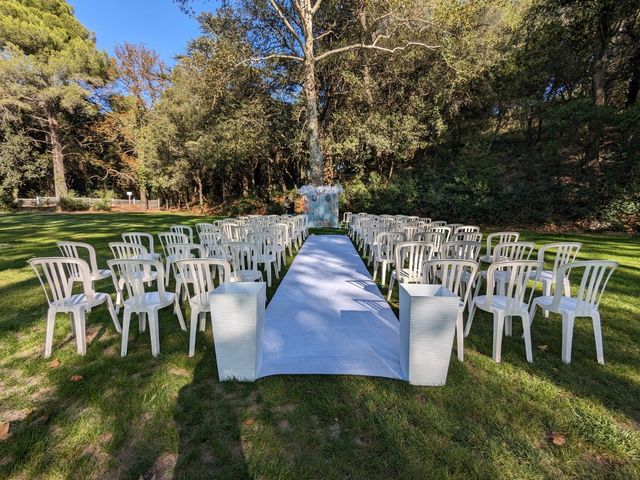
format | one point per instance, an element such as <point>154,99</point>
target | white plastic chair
<point>243,257</point>
<point>144,239</point>
<point>202,272</point>
<point>500,237</point>
<point>510,303</point>
<point>184,229</point>
<point>267,253</point>
<point>410,256</point>
<point>80,250</point>
<point>146,304</point>
<point>181,251</point>
<point>446,230</point>
<point>514,251</point>
<point>586,303</point>
<point>130,251</point>
<point>170,238</point>
<point>385,252</point>
<point>563,252</point>
<point>57,275</point>
<point>465,229</point>
<point>455,275</point>
<point>461,250</point>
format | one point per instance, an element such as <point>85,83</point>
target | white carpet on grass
<point>329,317</point>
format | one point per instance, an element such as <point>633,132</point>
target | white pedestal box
<point>427,326</point>
<point>237,314</point>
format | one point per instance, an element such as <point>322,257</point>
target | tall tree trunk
<point>634,81</point>
<point>316,158</point>
<point>144,201</point>
<point>57,154</point>
<point>200,195</point>
<point>598,83</point>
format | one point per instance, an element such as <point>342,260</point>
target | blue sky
<point>159,24</point>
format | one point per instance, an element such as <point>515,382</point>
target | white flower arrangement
<point>320,190</point>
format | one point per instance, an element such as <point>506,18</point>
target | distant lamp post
<point>129,194</point>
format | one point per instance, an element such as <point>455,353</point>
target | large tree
<point>49,70</point>
<point>307,32</point>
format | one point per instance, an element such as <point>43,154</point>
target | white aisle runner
<point>328,317</point>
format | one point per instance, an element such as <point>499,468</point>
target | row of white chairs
<point>197,268</point>
<point>511,279</point>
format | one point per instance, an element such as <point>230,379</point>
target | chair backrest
<point>204,228</point>
<point>141,238</point>
<point>595,275</point>
<point>501,237</point>
<point>242,255</point>
<point>184,229</point>
<point>57,275</point>
<point>185,250</point>
<point>79,250</point>
<point>513,251</point>
<point>386,243</point>
<point>211,242</point>
<point>133,273</point>
<point>433,237</point>
<point>170,238</point>
<point>264,242</point>
<point>467,237</point>
<point>438,223</point>
<point>563,252</point>
<point>202,274</point>
<point>453,275</point>
<point>124,250</point>
<point>446,230</point>
<point>410,256</point>
<point>466,229</point>
<point>516,275</point>
<point>461,250</point>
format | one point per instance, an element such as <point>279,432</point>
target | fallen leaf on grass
<point>55,363</point>
<point>249,421</point>
<point>76,378</point>
<point>557,439</point>
<point>544,348</point>
<point>4,430</point>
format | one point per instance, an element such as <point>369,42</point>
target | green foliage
<point>104,201</point>
<point>71,203</point>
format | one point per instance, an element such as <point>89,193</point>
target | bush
<point>104,202</point>
<point>71,203</point>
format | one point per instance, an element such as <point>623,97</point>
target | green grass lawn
<point>138,416</point>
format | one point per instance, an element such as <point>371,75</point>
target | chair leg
<point>597,332</point>
<point>460,336</point>
<point>81,336</point>
<point>546,290</point>
<point>508,325</point>
<point>567,337</point>
<point>51,323</point>
<point>526,327</point>
<point>268,265</point>
<point>142,321</point>
<point>126,320</point>
<point>178,313</point>
<point>153,333</point>
<point>203,321</point>
<point>498,330</point>
<point>167,271</point>
<point>472,312</point>
<point>114,316</point>
<point>192,332</point>
<point>390,291</point>
<point>384,272</point>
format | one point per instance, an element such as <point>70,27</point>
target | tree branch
<point>268,57</point>
<point>285,20</point>
<point>375,46</point>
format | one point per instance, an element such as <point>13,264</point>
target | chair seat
<point>100,274</point>
<point>567,304</point>
<point>246,276</point>
<point>78,300</point>
<point>499,303</point>
<point>266,258</point>
<point>406,276</point>
<point>150,299</point>
<point>486,258</point>
<point>202,302</point>
<point>545,275</point>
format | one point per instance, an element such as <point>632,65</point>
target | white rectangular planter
<point>237,313</point>
<point>427,326</point>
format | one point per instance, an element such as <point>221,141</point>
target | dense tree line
<point>486,111</point>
